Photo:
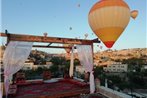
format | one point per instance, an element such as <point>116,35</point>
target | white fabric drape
<point>71,69</point>
<point>86,59</point>
<point>14,58</point>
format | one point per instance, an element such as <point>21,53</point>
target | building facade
<point>29,65</point>
<point>116,67</point>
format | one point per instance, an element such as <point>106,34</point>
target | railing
<point>111,93</point>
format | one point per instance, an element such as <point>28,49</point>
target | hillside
<point>40,57</point>
<point>110,56</point>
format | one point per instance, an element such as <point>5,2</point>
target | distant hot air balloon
<point>134,14</point>
<point>108,19</point>
<point>101,47</point>
<point>70,28</point>
<point>86,35</point>
<point>45,34</point>
<point>79,5</point>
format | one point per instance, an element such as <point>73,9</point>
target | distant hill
<point>110,56</point>
<point>136,52</point>
<point>38,56</point>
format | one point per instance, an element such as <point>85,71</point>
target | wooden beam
<point>32,38</point>
<point>49,44</point>
<point>41,46</point>
<point>3,34</point>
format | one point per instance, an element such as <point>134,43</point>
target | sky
<point>56,17</point>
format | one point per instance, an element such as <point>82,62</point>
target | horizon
<point>64,52</point>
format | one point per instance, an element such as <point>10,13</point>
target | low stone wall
<point>111,93</point>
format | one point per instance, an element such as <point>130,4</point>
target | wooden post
<point>8,37</point>
<point>92,53</point>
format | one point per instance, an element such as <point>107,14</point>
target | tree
<point>58,60</point>
<point>54,68</point>
<point>134,63</point>
<point>98,71</point>
<point>57,67</point>
<point>76,62</point>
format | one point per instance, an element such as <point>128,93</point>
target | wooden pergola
<point>46,39</point>
<point>51,40</point>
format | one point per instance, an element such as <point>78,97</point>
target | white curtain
<point>86,59</point>
<point>14,58</point>
<point>71,69</point>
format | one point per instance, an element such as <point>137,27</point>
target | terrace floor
<point>61,89</point>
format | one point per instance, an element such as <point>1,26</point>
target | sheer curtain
<point>14,58</point>
<point>71,69</point>
<point>86,59</point>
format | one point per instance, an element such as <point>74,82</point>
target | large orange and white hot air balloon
<point>109,18</point>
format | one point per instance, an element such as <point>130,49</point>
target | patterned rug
<point>47,89</point>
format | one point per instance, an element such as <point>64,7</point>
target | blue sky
<point>57,16</point>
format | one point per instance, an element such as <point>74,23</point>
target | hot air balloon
<point>134,14</point>
<point>86,35</point>
<point>70,28</point>
<point>45,34</point>
<point>101,47</point>
<point>108,19</point>
<point>79,5</point>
